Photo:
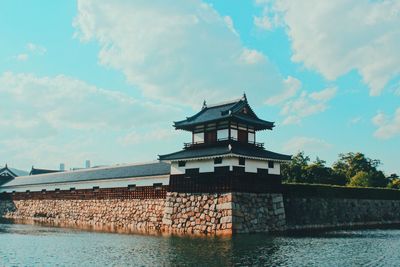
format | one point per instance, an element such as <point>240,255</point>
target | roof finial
<point>204,104</point>
<point>6,165</point>
<point>244,96</point>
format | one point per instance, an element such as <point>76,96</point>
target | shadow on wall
<point>6,205</point>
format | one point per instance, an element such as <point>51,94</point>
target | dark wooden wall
<point>228,182</point>
<point>140,192</point>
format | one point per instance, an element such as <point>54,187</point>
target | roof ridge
<point>224,103</point>
<point>205,108</point>
<point>100,168</point>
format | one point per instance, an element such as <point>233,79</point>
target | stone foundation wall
<point>149,209</point>
<point>198,213</point>
<point>133,214</point>
<point>225,213</point>
<point>321,213</point>
<point>258,212</point>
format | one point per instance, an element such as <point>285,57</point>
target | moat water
<point>33,245</point>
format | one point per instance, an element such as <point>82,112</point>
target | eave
<point>229,155</point>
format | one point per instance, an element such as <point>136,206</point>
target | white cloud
<point>355,120</point>
<point>306,105</point>
<point>262,22</point>
<point>292,86</point>
<point>262,2</point>
<point>336,37</point>
<point>22,57</point>
<point>324,95</point>
<point>36,49</point>
<point>52,119</point>
<point>308,144</point>
<point>251,57</point>
<point>181,53</point>
<point>31,50</point>
<point>62,101</point>
<point>134,137</point>
<point>397,91</point>
<point>229,23</point>
<point>387,127</point>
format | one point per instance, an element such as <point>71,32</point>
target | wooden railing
<point>193,144</point>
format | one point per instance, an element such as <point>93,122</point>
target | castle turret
<point>224,146</point>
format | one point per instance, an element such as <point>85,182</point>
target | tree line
<point>351,169</point>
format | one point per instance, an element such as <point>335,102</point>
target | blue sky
<point>104,80</point>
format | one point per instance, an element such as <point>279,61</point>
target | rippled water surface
<point>32,245</point>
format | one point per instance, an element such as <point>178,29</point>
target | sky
<point>104,80</point>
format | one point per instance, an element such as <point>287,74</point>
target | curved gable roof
<point>6,169</point>
<point>222,111</point>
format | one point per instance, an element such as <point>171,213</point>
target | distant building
<point>87,164</point>
<point>6,175</point>
<point>35,171</point>
<point>142,174</point>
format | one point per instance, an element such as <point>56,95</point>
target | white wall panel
<point>223,134</point>
<point>198,137</point>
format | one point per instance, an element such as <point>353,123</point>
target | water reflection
<point>32,245</point>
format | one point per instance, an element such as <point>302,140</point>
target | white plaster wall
<point>251,165</point>
<point>231,162</point>
<point>223,134</point>
<point>175,169</point>
<point>203,165</point>
<point>252,137</point>
<point>234,133</point>
<point>198,137</point>
<point>276,170</point>
<point>110,183</point>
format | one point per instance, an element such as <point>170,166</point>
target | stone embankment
<point>154,211</point>
<point>313,213</point>
<point>223,213</point>
<point>198,213</point>
<point>151,209</point>
<point>132,214</point>
<point>258,213</point>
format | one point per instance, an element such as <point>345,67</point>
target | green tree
<point>317,172</point>
<point>368,179</point>
<point>299,170</point>
<point>352,163</point>
<point>361,179</point>
<point>360,170</point>
<point>394,181</point>
<point>293,172</point>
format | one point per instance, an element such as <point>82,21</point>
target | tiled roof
<point>113,172</point>
<point>35,171</point>
<point>228,110</point>
<point>225,148</point>
<point>6,169</point>
<point>14,171</point>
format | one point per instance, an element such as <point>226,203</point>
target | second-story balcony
<point>220,140</point>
